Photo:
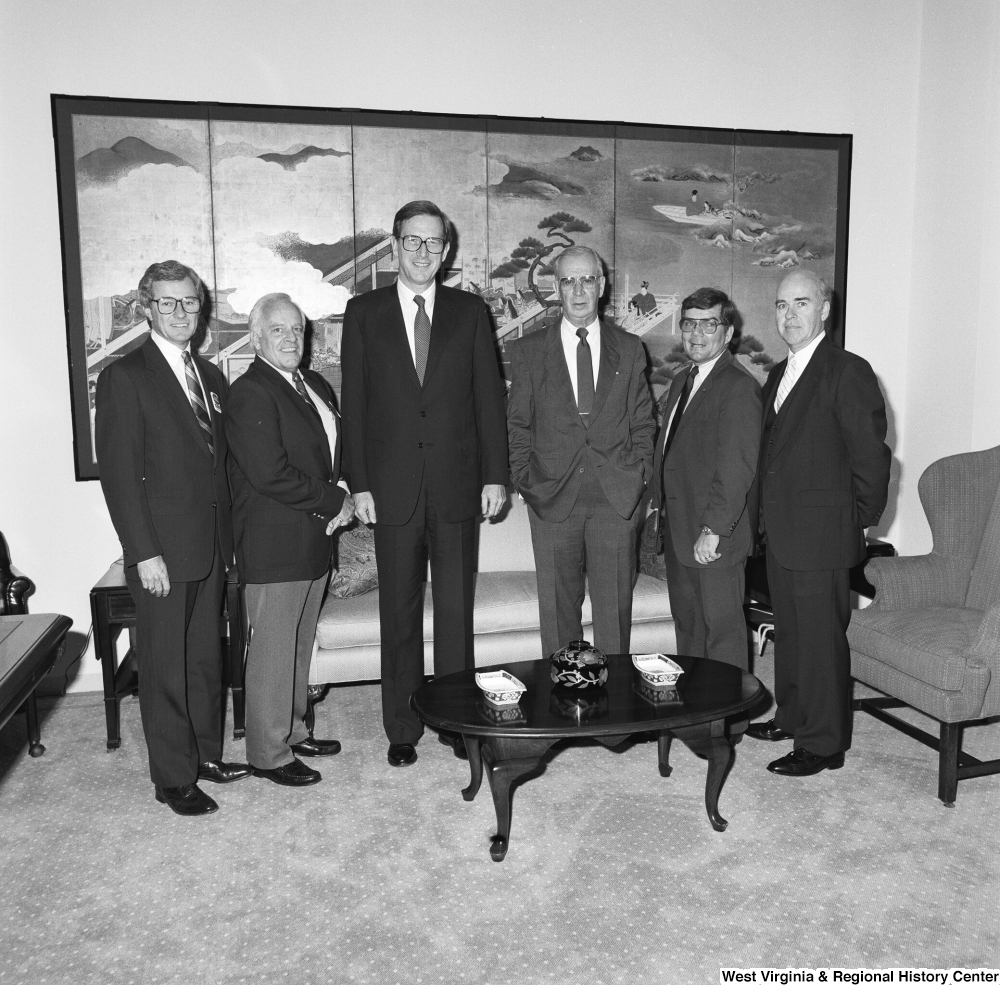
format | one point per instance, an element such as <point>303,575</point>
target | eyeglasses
<point>434,244</point>
<point>587,282</point>
<point>166,306</point>
<point>708,325</point>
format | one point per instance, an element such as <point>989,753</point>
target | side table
<point>112,610</point>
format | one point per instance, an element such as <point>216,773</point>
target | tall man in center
<point>424,434</point>
<point>580,425</point>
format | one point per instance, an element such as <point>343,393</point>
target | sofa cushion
<point>929,645</point>
<point>356,572</point>
<point>505,601</point>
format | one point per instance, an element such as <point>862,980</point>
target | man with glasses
<point>580,426</point>
<point>704,469</point>
<point>284,471</point>
<point>824,477</point>
<point>426,449</point>
<point>161,448</point>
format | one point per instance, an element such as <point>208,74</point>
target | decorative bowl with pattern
<point>579,664</point>
<point>500,688</point>
<point>657,669</point>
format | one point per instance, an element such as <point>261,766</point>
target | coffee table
<point>707,711</point>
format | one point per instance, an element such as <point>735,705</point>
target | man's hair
<point>571,252</point>
<point>421,207</point>
<point>261,307</point>
<point>708,297</point>
<point>167,270</point>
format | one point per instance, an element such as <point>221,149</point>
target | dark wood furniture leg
<point>236,613</point>
<point>475,767</point>
<point>104,644</point>
<point>505,760</point>
<point>710,740</point>
<point>35,747</point>
<point>663,740</point>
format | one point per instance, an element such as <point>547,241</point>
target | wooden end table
<point>708,711</point>
<point>113,609</point>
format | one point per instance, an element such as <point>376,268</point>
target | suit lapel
<point>555,375</point>
<point>395,334</point>
<point>442,329</point>
<point>607,372</point>
<point>797,402</point>
<point>174,395</point>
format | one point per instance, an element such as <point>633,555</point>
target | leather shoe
<point>294,774</point>
<point>768,731</point>
<point>456,741</point>
<point>402,754</point>
<point>219,772</point>
<point>802,762</point>
<point>316,747</point>
<point>186,800</point>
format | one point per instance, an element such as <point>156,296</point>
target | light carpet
<point>379,875</point>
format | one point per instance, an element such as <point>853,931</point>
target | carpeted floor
<point>384,876</point>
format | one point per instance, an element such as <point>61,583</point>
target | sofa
<point>505,617</point>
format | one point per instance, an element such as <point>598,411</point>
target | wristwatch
<point>708,531</point>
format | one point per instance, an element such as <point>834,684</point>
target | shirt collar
<point>170,352</point>
<point>800,358</point>
<point>406,295</point>
<point>569,331</point>
<point>705,368</point>
<point>290,376</point>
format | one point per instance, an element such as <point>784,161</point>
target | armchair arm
<point>16,588</point>
<point>985,652</point>
<point>926,581</point>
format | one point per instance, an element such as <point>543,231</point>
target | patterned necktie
<point>681,404</point>
<point>303,392</point>
<point>197,400</point>
<point>788,378</point>
<point>584,377</point>
<point>421,337</point>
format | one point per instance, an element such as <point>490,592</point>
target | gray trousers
<point>592,547</point>
<point>283,627</point>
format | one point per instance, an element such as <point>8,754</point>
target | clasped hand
<point>344,517</point>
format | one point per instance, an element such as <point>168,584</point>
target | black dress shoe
<point>295,774</point>
<point>186,800</point>
<point>219,772</point>
<point>316,747</point>
<point>402,754</point>
<point>457,743</point>
<point>802,762</point>
<point>767,731</point>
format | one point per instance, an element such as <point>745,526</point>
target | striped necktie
<point>788,379</point>
<point>198,400</point>
<point>300,385</point>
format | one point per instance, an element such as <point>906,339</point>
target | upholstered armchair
<point>931,638</point>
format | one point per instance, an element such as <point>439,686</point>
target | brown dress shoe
<point>186,800</point>
<point>219,772</point>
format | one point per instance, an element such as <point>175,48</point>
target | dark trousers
<point>401,555</point>
<point>812,659</point>
<point>593,546</point>
<point>707,605</point>
<point>283,618</point>
<point>179,659</point>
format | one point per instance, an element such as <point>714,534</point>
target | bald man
<point>824,477</point>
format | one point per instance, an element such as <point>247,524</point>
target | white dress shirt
<point>325,414</point>
<point>175,360</point>
<point>409,307</point>
<point>570,342</point>
<point>703,370</point>
<point>797,362</point>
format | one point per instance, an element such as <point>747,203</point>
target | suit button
<point>420,444</point>
<point>213,506</point>
<point>423,413</point>
<point>581,470</point>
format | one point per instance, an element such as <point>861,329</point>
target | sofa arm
<point>16,588</point>
<point>985,652</point>
<point>927,581</point>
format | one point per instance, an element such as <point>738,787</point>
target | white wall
<point>840,66</point>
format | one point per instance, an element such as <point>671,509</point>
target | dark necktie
<point>421,337</point>
<point>681,404</point>
<point>197,400</point>
<point>303,392</point>
<point>584,378</point>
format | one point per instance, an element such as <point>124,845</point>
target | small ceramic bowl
<point>500,688</point>
<point>656,669</point>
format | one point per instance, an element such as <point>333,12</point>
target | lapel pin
<point>216,403</point>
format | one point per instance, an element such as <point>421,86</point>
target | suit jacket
<point>283,476</point>
<point>824,464</point>
<point>167,494</point>
<point>712,464</point>
<point>549,444</point>
<point>398,434</point>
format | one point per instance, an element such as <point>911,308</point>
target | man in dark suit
<point>284,468</point>
<point>162,452</point>
<point>426,447</point>
<point>704,469</point>
<point>581,456</point>
<point>824,477</point>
